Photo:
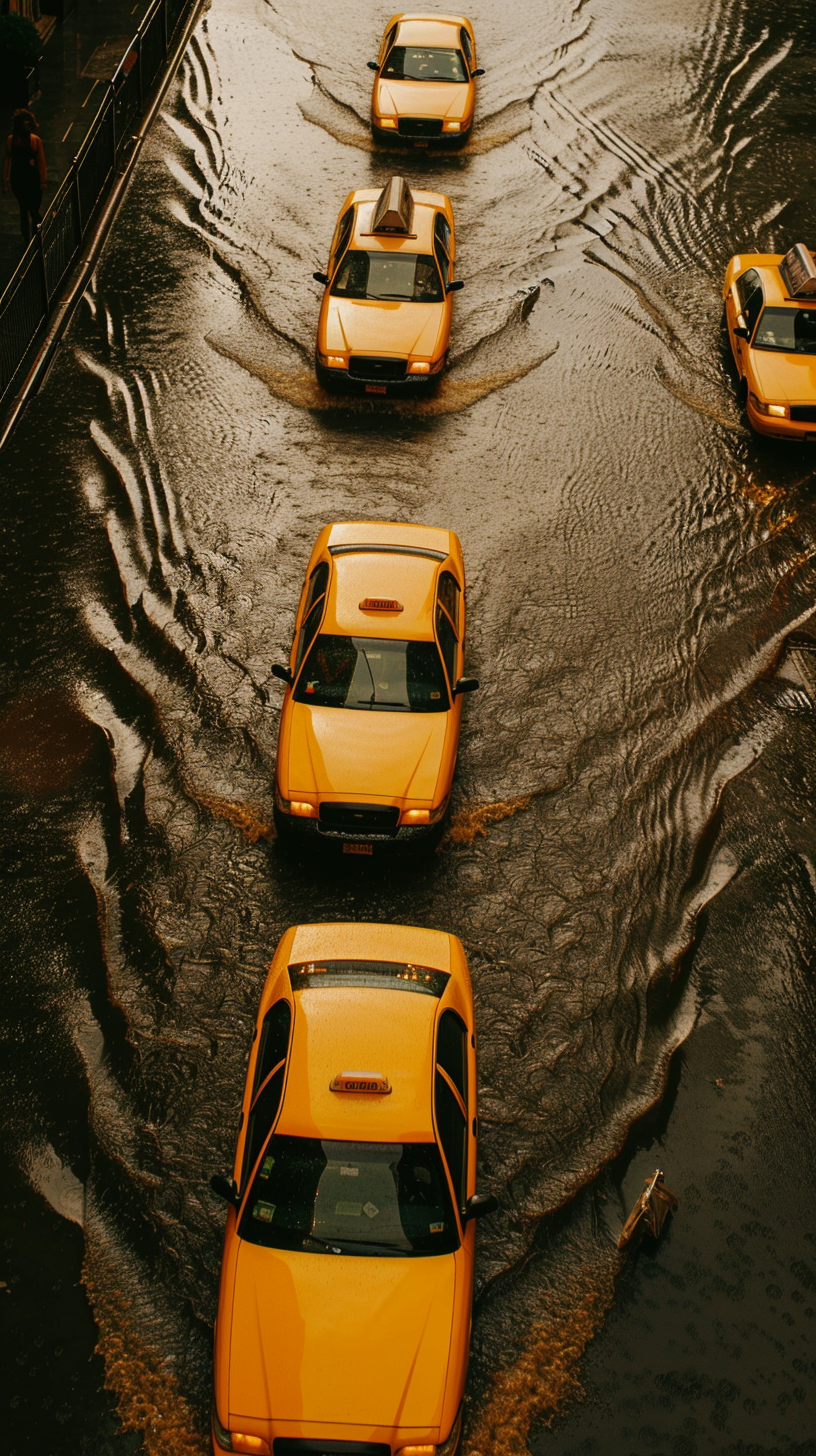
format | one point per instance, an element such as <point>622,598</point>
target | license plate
<point>375,389</point>
<point>358,848</point>
<point>420,144</point>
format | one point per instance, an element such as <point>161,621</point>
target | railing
<point>27,302</point>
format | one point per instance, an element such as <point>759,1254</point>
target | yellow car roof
<point>430,30</point>
<point>400,574</point>
<point>389,1033</point>
<point>372,576</point>
<point>767,265</point>
<point>421,239</point>
<point>338,1029</point>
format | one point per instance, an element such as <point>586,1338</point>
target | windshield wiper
<point>327,1243</point>
<point>375,1244</point>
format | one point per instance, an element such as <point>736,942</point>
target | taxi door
<point>455,1118</point>
<point>342,233</point>
<point>444,250</point>
<point>743,305</point>
<point>449,620</point>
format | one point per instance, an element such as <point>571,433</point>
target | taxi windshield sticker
<point>267,1165</point>
<point>264,1211</point>
<point>370,1210</point>
<point>348,1210</point>
<point>349,1172</point>
<point>437,1228</point>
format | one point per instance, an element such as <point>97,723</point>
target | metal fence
<point>27,302</point>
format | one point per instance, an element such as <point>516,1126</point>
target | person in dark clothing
<point>24,168</point>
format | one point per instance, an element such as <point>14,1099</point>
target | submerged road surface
<point>632,860</point>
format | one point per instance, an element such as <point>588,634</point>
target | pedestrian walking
<point>24,168</point>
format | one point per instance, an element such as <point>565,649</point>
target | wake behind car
<point>385,319</point>
<point>346,1287</point>
<point>770,314</point>
<point>369,726</point>
<point>424,93</point>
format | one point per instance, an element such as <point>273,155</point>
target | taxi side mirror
<point>454,285</point>
<point>480,1204</point>
<point>321,278</point>
<point>225,1188</point>
<point>478,72</point>
<point>284,673</point>
<point>465,685</point>
<point>741,329</point>
<point>373,66</point>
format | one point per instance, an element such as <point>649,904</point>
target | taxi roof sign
<point>381,604</point>
<point>360,1082</point>
<point>394,208</point>
<point>800,272</point>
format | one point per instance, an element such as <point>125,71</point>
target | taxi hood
<point>342,1340</point>
<point>367,326</point>
<point>424,98</point>
<point>785,378</point>
<point>353,753</point>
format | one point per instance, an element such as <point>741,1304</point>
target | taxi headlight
<point>298,807</point>
<point>237,1440</point>
<point>301,809</point>
<point>424,816</point>
<point>388,123</point>
<point>336,361</point>
<point>451,126</point>
<point>419,368</point>
<point>446,1449</point>
<point>779,411</point>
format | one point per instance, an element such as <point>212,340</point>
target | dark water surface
<point>633,863</point>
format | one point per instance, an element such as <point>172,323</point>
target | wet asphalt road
<point>633,856</point>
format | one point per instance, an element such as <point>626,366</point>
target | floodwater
<point>632,865</point>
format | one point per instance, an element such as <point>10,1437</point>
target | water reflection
<point>630,863</point>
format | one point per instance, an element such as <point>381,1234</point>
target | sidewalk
<point>79,55</point>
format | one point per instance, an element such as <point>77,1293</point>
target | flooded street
<point>632,859</point>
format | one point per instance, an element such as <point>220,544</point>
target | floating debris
<point>650,1212</point>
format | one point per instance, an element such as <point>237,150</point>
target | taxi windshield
<point>403,277</point>
<point>418,63</point>
<point>375,673</point>
<point>789,330</point>
<point>380,1199</point>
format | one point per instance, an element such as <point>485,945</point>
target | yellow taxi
<point>344,1307</point>
<point>770,314</point>
<point>424,92</point>
<point>385,319</point>
<point>369,726</point>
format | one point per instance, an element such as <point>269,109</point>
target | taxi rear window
<point>381,975</point>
